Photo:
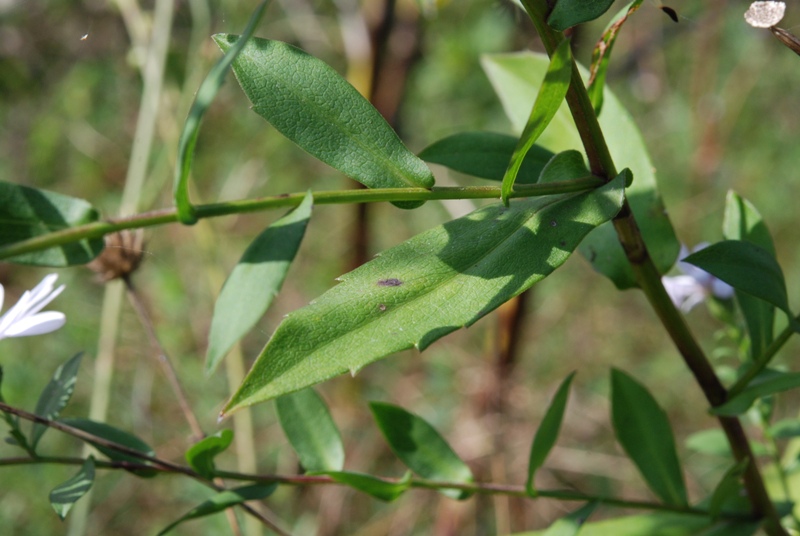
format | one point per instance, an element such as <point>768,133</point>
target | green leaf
<point>657,524</point>
<point>115,435</point>
<point>421,448</point>
<point>55,396</point>
<point>551,95</point>
<point>224,500</point>
<point>191,128</point>
<point>310,429</point>
<point>485,155</point>
<point>568,13</point>
<point>643,430</point>
<point>516,79</point>
<point>376,487</point>
<point>29,212</point>
<point>201,455</point>
<point>763,385</point>
<point>571,524</point>
<point>747,267</point>
<point>564,166</point>
<point>602,54</point>
<point>546,435</point>
<point>255,281</point>
<point>785,429</point>
<point>394,302</point>
<point>309,103</point>
<point>713,442</point>
<point>742,221</point>
<point>16,437</point>
<point>67,493</point>
<point>729,486</point>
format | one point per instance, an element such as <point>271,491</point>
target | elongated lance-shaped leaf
<point>224,500</point>
<point>546,435</point>
<point>551,95</point>
<point>742,221</point>
<point>769,382</point>
<point>255,281</point>
<point>564,166</point>
<point>191,128</point>
<point>516,78</point>
<point>201,455</point>
<point>425,288</point>
<point>568,13</point>
<point>67,493</point>
<point>308,425</point>
<point>643,430</point>
<point>486,155</point>
<point>115,435</point>
<point>570,525</point>
<point>602,54</point>
<point>421,447</point>
<point>373,486</point>
<point>27,212</point>
<point>729,486</point>
<point>309,103</point>
<point>55,396</point>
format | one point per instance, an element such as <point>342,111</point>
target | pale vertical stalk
<point>152,78</point>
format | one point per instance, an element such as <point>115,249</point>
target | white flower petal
<point>764,14</point>
<point>36,325</point>
<point>721,289</point>
<point>684,291</point>
<point>2,295</point>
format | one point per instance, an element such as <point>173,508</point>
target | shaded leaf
<point>55,396</point>
<point>308,425</point>
<point>564,166</point>
<point>394,302</point>
<point>657,524</point>
<point>16,438</point>
<point>785,429</point>
<point>714,443</point>
<point>547,433</point>
<point>421,448</point>
<point>201,455</point>
<point>255,281</point>
<point>191,128</point>
<point>485,155</point>
<point>27,212</point>
<point>548,100</point>
<point>730,485</point>
<point>67,493</point>
<point>568,13</point>
<point>643,430</point>
<point>771,383</point>
<point>742,221</point>
<point>309,103</point>
<point>571,524</point>
<point>516,78</point>
<point>224,500</point>
<point>747,267</point>
<point>376,487</point>
<point>115,435</point>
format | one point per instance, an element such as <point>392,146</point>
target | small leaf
<point>564,166</point>
<point>224,500</point>
<point>729,486</point>
<point>568,13</point>
<point>394,302</point>
<point>191,128</point>
<point>551,95</point>
<point>67,493</point>
<point>485,155</point>
<point>763,385</point>
<point>17,438</point>
<point>115,435</point>
<point>657,524</point>
<point>421,448</point>
<point>602,54</point>
<point>643,430</point>
<point>571,524</point>
<point>548,431</point>
<point>785,429</point>
<point>310,429</point>
<point>309,103</point>
<point>376,487</point>
<point>201,455</point>
<point>747,267</point>
<point>29,212</point>
<point>55,396</point>
<point>742,221</point>
<point>255,281</point>
<point>713,442</point>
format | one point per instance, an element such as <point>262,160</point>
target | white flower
<point>24,318</point>
<point>688,290</point>
<point>765,14</point>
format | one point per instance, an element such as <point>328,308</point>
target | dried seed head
<point>121,256</point>
<point>764,14</point>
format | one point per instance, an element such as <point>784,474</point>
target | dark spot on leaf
<point>389,282</point>
<point>382,307</point>
<point>553,223</point>
<point>283,195</point>
<point>670,12</point>
<point>562,243</point>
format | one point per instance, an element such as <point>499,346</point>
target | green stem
<point>649,279</point>
<point>762,362</point>
<point>169,215</point>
